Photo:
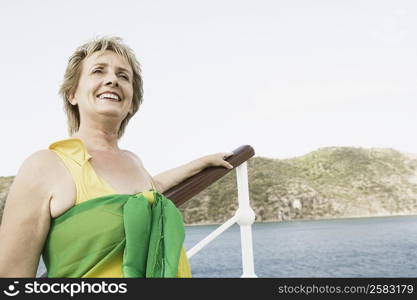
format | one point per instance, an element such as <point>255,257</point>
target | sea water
<point>360,247</point>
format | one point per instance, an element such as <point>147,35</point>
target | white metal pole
<point>245,218</point>
<point>211,237</point>
<point>247,253</point>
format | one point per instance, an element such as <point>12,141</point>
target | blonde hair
<point>73,73</point>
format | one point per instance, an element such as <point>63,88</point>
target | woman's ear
<point>72,99</point>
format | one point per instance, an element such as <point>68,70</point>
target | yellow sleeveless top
<point>89,185</point>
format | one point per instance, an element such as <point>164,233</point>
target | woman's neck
<point>97,139</point>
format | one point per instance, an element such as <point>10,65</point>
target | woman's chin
<point>111,112</point>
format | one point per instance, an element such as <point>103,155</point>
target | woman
<point>90,208</point>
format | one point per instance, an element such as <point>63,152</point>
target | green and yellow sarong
<point>113,235</point>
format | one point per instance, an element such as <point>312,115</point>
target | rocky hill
<point>333,182</point>
<point>5,183</point>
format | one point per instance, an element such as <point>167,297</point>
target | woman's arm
<point>170,178</point>
<point>26,219</point>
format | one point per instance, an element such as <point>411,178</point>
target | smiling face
<point>105,86</point>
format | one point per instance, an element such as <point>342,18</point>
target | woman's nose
<point>111,80</point>
<point>112,83</point>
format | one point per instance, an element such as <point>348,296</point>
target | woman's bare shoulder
<point>42,160</point>
<point>41,157</point>
<point>135,157</point>
<point>40,167</point>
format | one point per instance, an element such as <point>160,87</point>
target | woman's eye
<point>97,71</point>
<point>124,76</point>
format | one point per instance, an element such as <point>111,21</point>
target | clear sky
<point>286,77</point>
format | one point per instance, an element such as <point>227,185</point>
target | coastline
<point>306,220</point>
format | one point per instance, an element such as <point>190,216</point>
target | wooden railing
<point>190,187</point>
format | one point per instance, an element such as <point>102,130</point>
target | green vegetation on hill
<point>333,182</point>
<point>5,183</point>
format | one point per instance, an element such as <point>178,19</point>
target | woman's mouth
<point>109,96</point>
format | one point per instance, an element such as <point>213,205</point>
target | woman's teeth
<point>109,96</point>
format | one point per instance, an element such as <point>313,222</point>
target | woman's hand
<point>175,176</point>
<point>217,159</point>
